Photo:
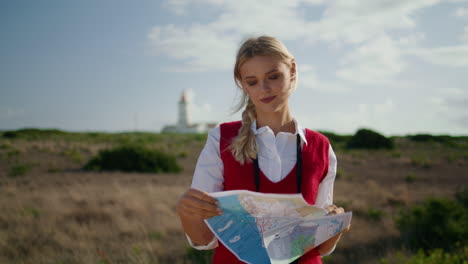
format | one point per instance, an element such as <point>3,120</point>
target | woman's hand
<point>326,247</point>
<point>196,204</point>
<point>335,210</point>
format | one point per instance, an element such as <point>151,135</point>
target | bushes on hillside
<point>31,133</point>
<point>335,138</point>
<point>133,159</point>
<point>437,223</point>
<point>368,139</point>
<point>430,138</point>
<point>198,256</point>
<point>437,256</point>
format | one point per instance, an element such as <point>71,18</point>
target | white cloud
<point>461,12</point>
<point>198,111</point>
<point>385,107</point>
<point>177,6</point>
<point>463,121</point>
<point>443,97</point>
<point>374,116</point>
<point>212,46</point>
<point>452,98</point>
<point>9,113</point>
<point>198,47</point>
<point>435,101</point>
<point>377,53</point>
<point>450,104</point>
<point>453,56</point>
<point>411,41</point>
<point>376,61</point>
<point>309,79</point>
<point>464,36</point>
<point>364,23</point>
<point>182,7</point>
<point>355,21</point>
<point>458,102</point>
<point>451,92</point>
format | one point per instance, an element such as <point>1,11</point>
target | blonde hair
<point>244,146</point>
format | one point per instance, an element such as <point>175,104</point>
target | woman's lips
<point>268,99</point>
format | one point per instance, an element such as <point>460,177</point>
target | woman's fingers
<point>198,204</point>
<point>201,195</point>
<point>196,212</point>
<point>333,210</point>
<point>330,208</point>
<point>347,228</point>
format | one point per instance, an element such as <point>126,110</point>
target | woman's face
<point>268,83</point>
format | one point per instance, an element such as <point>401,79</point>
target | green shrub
<point>431,138</point>
<point>450,141</point>
<point>73,154</point>
<point>19,170</point>
<point>133,159</point>
<point>437,256</point>
<point>11,153</point>
<point>410,178</point>
<point>374,214</point>
<point>5,146</point>
<point>31,211</point>
<point>155,235</point>
<point>368,139</point>
<point>422,137</point>
<point>32,133</point>
<point>199,256</point>
<point>421,161</point>
<point>437,223</point>
<point>462,197</point>
<point>183,154</point>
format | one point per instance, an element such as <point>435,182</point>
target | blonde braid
<point>244,146</point>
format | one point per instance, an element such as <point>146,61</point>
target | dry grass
<point>56,213</point>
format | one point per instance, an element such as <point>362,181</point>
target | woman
<point>267,151</point>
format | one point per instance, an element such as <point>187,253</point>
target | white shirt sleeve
<point>208,175</point>
<point>325,192</point>
<point>209,171</point>
<point>211,245</point>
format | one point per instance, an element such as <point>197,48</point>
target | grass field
<point>53,212</point>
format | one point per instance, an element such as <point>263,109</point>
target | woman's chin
<point>269,110</point>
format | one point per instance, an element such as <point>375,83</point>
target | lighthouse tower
<point>183,120</point>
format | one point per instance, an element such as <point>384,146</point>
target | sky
<point>395,66</point>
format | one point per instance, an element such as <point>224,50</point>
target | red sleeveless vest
<point>241,177</point>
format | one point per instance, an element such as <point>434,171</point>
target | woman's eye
<point>251,83</point>
<point>274,77</point>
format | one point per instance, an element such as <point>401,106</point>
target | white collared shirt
<point>276,158</point>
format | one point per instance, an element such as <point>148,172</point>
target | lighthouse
<point>183,120</point>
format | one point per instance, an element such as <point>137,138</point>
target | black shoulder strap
<point>299,165</point>
<point>256,174</point>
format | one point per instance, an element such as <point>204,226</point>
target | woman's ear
<point>293,71</point>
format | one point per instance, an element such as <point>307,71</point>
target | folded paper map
<point>272,228</point>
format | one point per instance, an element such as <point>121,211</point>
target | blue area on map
<point>238,231</point>
<point>339,225</point>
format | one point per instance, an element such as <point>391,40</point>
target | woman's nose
<point>264,85</point>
